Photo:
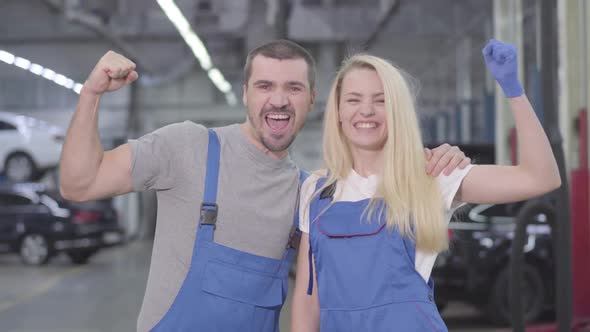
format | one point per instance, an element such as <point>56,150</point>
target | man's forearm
<point>82,150</point>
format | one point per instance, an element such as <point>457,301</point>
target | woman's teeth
<point>365,125</point>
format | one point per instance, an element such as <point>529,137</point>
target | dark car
<point>476,268</point>
<point>38,224</point>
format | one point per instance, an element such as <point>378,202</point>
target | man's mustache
<point>285,109</point>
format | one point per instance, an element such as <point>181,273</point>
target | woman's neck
<point>367,162</point>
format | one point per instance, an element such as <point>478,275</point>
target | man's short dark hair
<point>281,50</point>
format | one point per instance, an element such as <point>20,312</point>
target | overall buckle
<point>294,238</point>
<point>208,214</point>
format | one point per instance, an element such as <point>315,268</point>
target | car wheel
<point>533,292</point>
<point>80,257</point>
<point>19,167</point>
<point>34,249</point>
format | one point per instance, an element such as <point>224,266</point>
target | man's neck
<point>248,132</point>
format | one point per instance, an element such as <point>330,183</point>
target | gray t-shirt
<point>256,197</point>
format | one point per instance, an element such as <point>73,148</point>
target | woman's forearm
<point>535,156</point>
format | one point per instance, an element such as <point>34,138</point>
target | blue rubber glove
<point>501,60</point>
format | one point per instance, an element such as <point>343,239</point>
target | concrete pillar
<point>571,76</point>
<point>464,93</point>
<point>508,28</point>
<point>127,207</point>
<point>327,63</point>
<point>441,129</point>
<point>265,23</point>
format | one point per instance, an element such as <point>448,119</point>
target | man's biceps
<point>114,175</point>
<point>118,161</point>
<point>121,155</point>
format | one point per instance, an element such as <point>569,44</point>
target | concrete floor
<point>106,295</point>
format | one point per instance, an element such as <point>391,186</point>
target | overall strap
<point>294,233</point>
<point>209,204</point>
<point>320,203</point>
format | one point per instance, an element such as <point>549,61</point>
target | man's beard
<point>267,143</point>
<point>277,147</point>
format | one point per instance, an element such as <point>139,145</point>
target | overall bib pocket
<point>253,295</point>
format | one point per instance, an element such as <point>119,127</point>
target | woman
<point>373,221</point>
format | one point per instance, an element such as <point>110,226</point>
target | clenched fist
<point>112,72</point>
<point>501,60</point>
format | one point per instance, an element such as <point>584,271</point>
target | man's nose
<point>278,99</point>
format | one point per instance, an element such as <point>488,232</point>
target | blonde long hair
<point>411,199</point>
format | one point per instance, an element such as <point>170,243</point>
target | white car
<point>28,146</point>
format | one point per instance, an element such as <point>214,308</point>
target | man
<point>219,261</point>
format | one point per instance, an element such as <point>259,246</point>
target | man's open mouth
<point>277,122</point>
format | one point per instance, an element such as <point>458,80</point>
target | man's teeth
<point>278,116</point>
<point>366,125</point>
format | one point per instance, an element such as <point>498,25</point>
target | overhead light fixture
<point>39,70</point>
<point>48,74</point>
<point>22,63</point>
<point>36,69</point>
<point>77,87</point>
<point>198,48</point>
<point>7,57</point>
<point>60,80</point>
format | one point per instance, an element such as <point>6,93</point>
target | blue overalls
<point>226,289</point>
<point>366,275</point>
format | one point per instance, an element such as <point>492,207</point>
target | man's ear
<point>244,98</point>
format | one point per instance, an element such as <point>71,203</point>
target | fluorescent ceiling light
<point>22,63</point>
<point>231,98</point>
<point>78,87</point>
<point>60,79</point>
<point>37,69</point>
<point>198,48</point>
<point>69,83</point>
<point>48,74</point>
<point>6,57</point>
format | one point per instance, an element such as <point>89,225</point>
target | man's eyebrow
<point>262,82</point>
<point>296,83</point>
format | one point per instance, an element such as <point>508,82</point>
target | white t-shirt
<point>357,188</point>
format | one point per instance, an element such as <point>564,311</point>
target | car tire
<point>498,308</point>
<point>34,249</point>
<point>20,167</point>
<point>80,257</point>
